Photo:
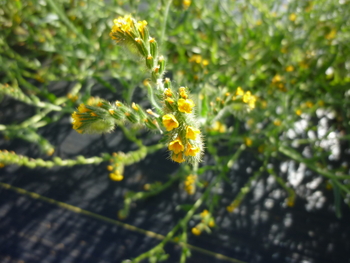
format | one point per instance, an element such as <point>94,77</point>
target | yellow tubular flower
<point>239,91</point>
<point>123,24</point>
<point>77,122</point>
<point>178,158</point>
<point>183,94</point>
<point>196,231</point>
<point>185,105</point>
<point>170,100</point>
<point>168,92</point>
<point>170,122</point>
<point>204,213</point>
<point>191,150</point>
<point>116,176</point>
<point>141,25</point>
<point>246,96</point>
<point>191,132</point>
<point>176,146</point>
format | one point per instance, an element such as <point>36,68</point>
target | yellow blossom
<point>277,122</point>
<point>239,91</point>
<point>248,141</point>
<point>141,25</point>
<point>292,17</point>
<point>196,231</point>
<point>185,105</point>
<point>178,158</point>
<point>167,92</point>
<point>170,122</point>
<point>196,58</point>
<point>298,112</point>
<point>116,176</point>
<point>176,146</point>
<point>191,150</point>
<point>276,78</point>
<point>309,104</point>
<point>219,127</point>
<point>134,106</point>
<point>186,3</point>
<point>170,100</point>
<point>289,68</point>
<point>211,223</point>
<point>246,97</point>
<point>191,132</point>
<point>122,24</point>
<point>204,213</point>
<point>183,94</point>
<point>331,34</point>
<point>77,122</point>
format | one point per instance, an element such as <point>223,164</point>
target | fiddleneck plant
<point>175,118</point>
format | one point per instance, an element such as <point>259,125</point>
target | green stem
<point>65,20</point>
<point>291,153</point>
<point>166,13</point>
<point>182,222</point>
<point>152,99</point>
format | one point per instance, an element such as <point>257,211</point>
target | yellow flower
<point>169,100</point>
<point>176,146</point>
<point>141,25</point>
<point>290,68</point>
<point>122,24</point>
<point>239,91</point>
<point>196,231</point>
<point>219,127</point>
<point>116,176</point>
<point>246,97</point>
<point>191,132</point>
<point>134,106</point>
<point>170,122</point>
<point>178,158</point>
<point>168,92</point>
<point>276,78</point>
<point>248,141</point>
<point>77,122</point>
<point>183,94</point>
<point>211,223</point>
<point>204,213</point>
<point>332,34</point>
<point>277,122</point>
<point>309,104</point>
<point>191,150</point>
<point>196,58</point>
<point>185,105</point>
<point>292,17</point>
<point>298,112</point>
<point>186,3</point>
<point>205,62</point>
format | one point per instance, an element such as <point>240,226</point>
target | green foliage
<point>263,75</point>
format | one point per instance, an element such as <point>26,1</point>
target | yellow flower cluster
<point>206,221</point>
<point>246,97</point>
<point>87,120</point>
<point>190,184</point>
<point>134,34</point>
<point>278,80</point>
<point>127,27</point>
<point>185,138</point>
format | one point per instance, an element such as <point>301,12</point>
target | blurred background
<point>292,56</point>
